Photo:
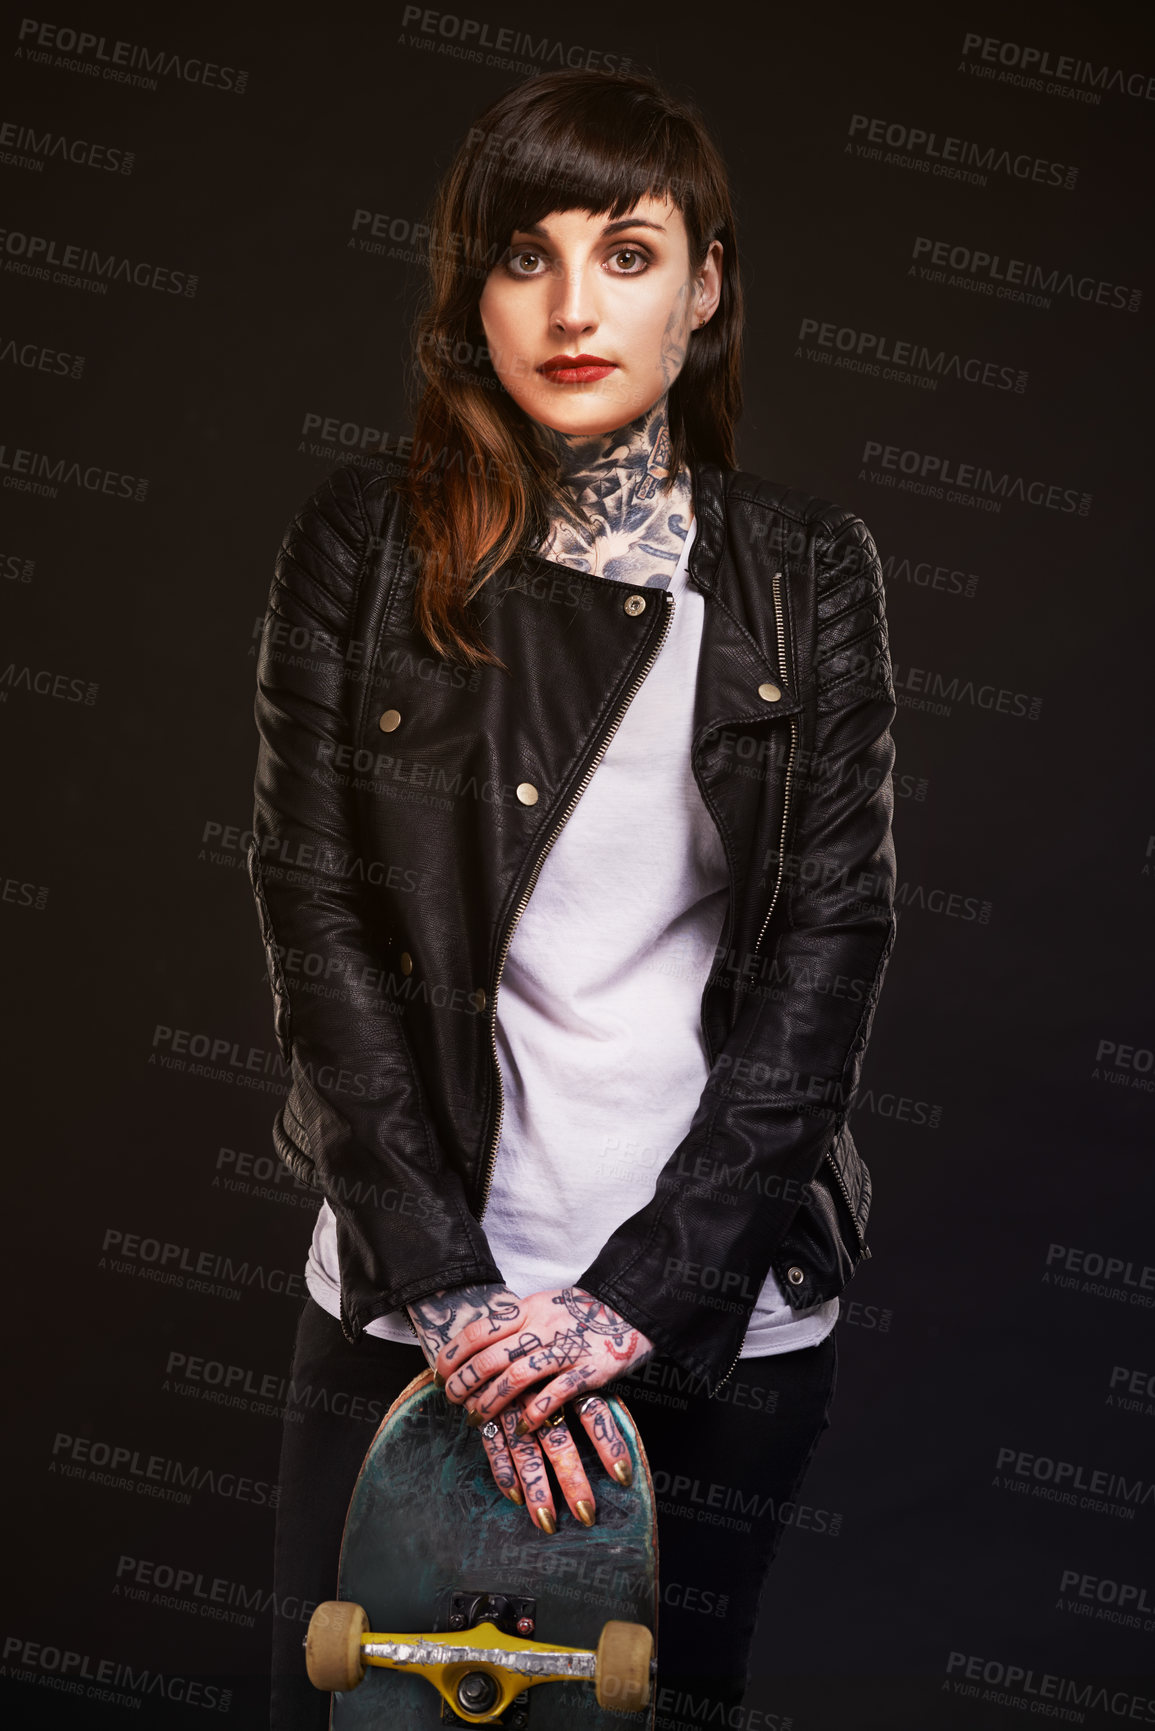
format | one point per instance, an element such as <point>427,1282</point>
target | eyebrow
<point>610,228</point>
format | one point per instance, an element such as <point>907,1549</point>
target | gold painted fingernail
<point>438,1379</point>
<point>585,1513</point>
<point>545,1520</point>
<point>522,1427</point>
<point>474,1417</point>
<point>515,1496</point>
<point>622,1473</point>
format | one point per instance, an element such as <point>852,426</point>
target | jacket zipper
<point>491,1156</point>
<point>730,1372</point>
<point>841,1182</point>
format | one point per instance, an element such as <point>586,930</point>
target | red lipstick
<point>576,369</point>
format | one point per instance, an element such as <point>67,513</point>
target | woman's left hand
<point>558,1345</point>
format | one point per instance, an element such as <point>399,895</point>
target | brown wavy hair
<point>478,485</point>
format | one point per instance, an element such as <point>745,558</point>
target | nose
<point>573,312</point>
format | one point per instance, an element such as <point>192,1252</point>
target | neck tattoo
<point>624,525</point>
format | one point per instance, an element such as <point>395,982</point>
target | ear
<point>707,286</point>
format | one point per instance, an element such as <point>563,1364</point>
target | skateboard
<point>453,1608</point>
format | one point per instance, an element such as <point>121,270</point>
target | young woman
<point>573,863</point>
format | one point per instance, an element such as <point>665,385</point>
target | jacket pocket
<point>282,1013</point>
<point>823,1241</point>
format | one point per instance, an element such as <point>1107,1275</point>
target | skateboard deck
<point>430,1543</point>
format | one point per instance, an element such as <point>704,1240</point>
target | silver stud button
<point>769,691</point>
<point>795,1276</point>
<point>527,793</point>
<point>634,604</point>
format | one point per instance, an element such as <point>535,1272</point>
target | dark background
<point>1007,1102</point>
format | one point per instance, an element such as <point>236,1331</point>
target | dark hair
<point>478,489</point>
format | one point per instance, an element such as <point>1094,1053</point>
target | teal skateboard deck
<point>431,1544</point>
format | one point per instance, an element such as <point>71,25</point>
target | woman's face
<point>616,292</point>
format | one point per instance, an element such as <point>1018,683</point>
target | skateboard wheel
<point>333,1644</point>
<point>622,1673</point>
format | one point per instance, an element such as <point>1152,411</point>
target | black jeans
<point>726,1472</point>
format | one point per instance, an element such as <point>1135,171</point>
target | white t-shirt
<point>598,1031</point>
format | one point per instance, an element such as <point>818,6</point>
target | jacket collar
<point>709,510</point>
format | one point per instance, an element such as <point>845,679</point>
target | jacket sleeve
<point>353,1122</point>
<point>780,1088</point>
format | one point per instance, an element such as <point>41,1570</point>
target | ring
<point>581,1406</point>
<point>555,1418</point>
<point>491,1430</point>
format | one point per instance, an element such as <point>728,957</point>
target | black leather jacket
<point>404,806</point>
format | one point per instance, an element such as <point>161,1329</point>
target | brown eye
<point>517,258</point>
<point>632,257</point>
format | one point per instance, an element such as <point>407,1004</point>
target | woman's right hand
<point>518,1463</point>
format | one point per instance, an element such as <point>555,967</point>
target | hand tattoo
<point>438,1316</point>
<point>621,1341</point>
<point>590,1312</point>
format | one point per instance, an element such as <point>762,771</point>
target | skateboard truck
<point>481,1670</point>
<point>514,1615</point>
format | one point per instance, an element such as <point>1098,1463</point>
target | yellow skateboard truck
<point>478,1671</point>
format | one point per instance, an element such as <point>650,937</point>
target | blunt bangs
<point>599,149</point>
